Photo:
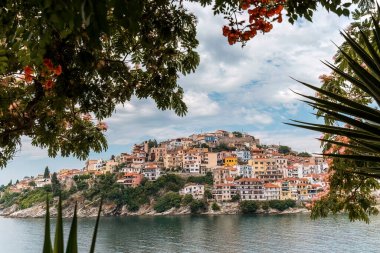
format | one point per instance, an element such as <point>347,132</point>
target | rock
<point>9,210</point>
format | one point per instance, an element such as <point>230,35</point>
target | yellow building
<point>230,161</point>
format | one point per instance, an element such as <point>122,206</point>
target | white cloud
<point>199,104</point>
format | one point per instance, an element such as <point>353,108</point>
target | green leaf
<point>92,249</point>
<point>72,243</point>
<point>58,241</point>
<point>47,241</point>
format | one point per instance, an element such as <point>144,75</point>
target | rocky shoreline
<point>86,209</point>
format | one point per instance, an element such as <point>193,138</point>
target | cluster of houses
<point>239,165</point>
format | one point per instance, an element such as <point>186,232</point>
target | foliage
<point>249,206</point>
<point>265,205</point>
<point>250,17</point>
<point>223,147</point>
<point>32,197</point>
<point>55,185</point>
<point>46,172</point>
<point>63,71</point>
<point>304,154</point>
<point>167,201</point>
<point>81,182</point>
<point>32,183</point>
<point>9,198</point>
<point>206,179</point>
<point>281,205</point>
<point>152,143</point>
<point>207,194</point>
<point>187,199</point>
<point>72,243</point>
<point>198,206</point>
<point>348,101</point>
<point>215,207</point>
<point>284,149</point>
<point>348,192</point>
<point>235,198</point>
<point>237,134</point>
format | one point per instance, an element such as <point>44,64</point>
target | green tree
<point>55,185</point>
<point>249,206</point>
<point>187,199</point>
<point>284,149</point>
<point>198,206</point>
<point>32,183</point>
<point>237,134</point>
<point>304,154</point>
<point>215,207</point>
<point>207,194</point>
<point>167,201</point>
<point>348,101</point>
<point>47,172</point>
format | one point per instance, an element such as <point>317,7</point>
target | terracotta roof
<point>269,185</point>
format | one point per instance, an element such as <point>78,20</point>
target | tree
<point>55,185</point>
<point>350,138</point>
<point>249,206</point>
<point>47,172</point>
<point>284,149</point>
<point>237,134</point>
<point>304,154</point>
<point>62,71</point>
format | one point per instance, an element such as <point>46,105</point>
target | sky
<point>236,89</point>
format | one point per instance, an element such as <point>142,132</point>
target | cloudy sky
<point>245,89</point>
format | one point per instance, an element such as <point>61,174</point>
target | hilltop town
<point>218,167</point>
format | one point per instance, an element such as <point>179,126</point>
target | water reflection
<point>228,233</point>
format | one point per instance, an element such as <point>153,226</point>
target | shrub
<point>169,200</point>
<point>235,198</point>
<point>197,206</point>
<point>282,205</point>
<point>265,205</point>
<point>133,207</point>
<point>32,197</point>
<point>207,194</point>
<point>215,207</point>
<point>249,206</point>
<point>187,199</point>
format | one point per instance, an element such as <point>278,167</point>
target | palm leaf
<point>58,241</point>
<point>47,241</point>
<point>92,249</point>
<point>72,243</point>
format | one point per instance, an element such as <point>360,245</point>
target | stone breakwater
<point>90,209</point>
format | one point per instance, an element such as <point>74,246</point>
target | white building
<point>196,190</point>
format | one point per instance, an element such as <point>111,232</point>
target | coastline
<point>111,209</point>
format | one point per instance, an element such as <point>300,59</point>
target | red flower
<point>48,84</point>
<point>58,70</point>
<point>48,63</point>
<point>28,74</point>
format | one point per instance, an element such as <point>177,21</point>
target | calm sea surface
<point>227,233</point>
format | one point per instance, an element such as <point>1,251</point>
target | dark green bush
<point>215,207</point>
<point>249,206</point>
<point>282,205</point>
<point>235,198</point>
<point>167,201</point>
<point>198,206</point>
<point>187,199</point>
